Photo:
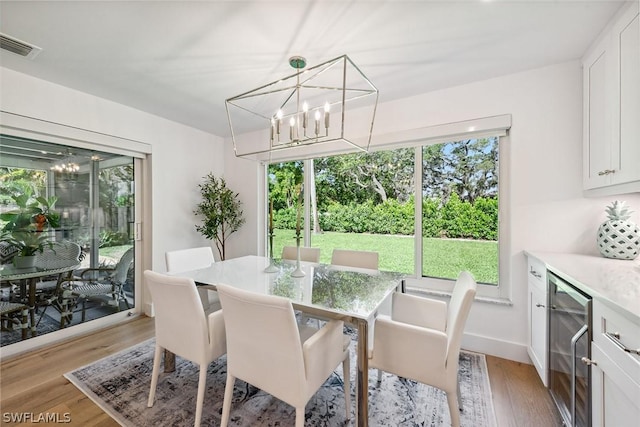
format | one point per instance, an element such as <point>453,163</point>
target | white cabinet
<point>537,320</point>
<point>615,373</point>
<point>611,78</point>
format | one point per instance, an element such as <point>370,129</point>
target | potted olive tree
<point>27,227</point>
<point>220,210</point>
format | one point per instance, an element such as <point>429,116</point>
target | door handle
<point>615,337</point>
<point>574,344</point>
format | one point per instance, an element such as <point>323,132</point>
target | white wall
<point>548,210</point>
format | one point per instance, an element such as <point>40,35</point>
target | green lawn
<point>114,252</point>
<point>442,257</point>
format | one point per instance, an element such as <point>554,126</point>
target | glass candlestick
<point>272,268</point>
<point>298,271</point>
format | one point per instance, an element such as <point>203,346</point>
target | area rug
<point>119,384</point>
<point>46,324</point>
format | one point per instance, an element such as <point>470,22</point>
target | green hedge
<point>455,219</point>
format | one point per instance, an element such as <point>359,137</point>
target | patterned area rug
<point>47,324</point>
<point>119,384</point>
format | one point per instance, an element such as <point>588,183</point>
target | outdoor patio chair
<point>102,285</point>
<point>49,290</point>
<point>14,314</point>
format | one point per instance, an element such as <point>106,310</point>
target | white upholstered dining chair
<point>307,253</point>
<point>421,340</point>
<point>183,328</point>
<point>277,355</point>
<point>358,259</point>
<point>182,260</point>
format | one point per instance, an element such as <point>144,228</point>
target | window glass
<point>286,204</point>
<point>93,196</point>
<point>366,201</point>
<point>460,209</point>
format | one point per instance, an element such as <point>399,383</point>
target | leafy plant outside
<point>453,219</point>
<point>26,226</point>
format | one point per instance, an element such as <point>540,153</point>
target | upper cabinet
<point>611,79</point>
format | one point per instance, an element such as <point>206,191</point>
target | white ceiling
<point>182,59</point>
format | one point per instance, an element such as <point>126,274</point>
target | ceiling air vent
<point>18,46</point>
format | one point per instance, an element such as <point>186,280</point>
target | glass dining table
<point>353,295</point>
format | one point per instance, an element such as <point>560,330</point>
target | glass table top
<point>354,291</point>
<point>10,272</point>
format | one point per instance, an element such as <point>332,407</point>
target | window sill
<point>444,294</point>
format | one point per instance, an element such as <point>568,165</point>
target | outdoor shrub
<point>285,218</point>
<point>113,238</point>
<point>431,218</point>
<point>392,217</point>
<point>455,219</point>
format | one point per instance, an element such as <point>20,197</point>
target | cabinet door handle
<point>539,305</point>
<point>615,337</point>
<point>535,273</point>
<point>606,172</point>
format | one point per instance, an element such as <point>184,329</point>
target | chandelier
<point>324,109</point>
<point>67,165</point>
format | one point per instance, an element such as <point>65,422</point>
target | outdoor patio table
<point>28,278</point>
<point>353,295</point>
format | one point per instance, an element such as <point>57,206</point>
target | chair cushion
<point>93,289</point>
<point>7,252</point>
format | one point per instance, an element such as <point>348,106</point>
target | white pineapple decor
<point>618,237</point>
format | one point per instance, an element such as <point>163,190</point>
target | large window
<point>369,201</point>
<point>460,209</point>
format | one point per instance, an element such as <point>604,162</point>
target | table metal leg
<point>362,380</point>
<point>169,361</point>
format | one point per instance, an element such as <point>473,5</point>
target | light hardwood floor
<point>33,382</point>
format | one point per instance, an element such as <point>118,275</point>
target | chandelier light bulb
<point>278,121</point>
<point>317,117</point>
<point>326,115</point>
<point>292,126</point>
<point>305,115</point>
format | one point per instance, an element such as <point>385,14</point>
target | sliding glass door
<point>94,194</point>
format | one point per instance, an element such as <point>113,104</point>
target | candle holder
<point>272,267</point>
<point>298,271</point>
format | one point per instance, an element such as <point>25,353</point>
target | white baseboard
<point>495,347</point>
<point>148,309</point>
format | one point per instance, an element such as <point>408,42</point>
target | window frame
<point>501,291</point>
<point>494,126</point>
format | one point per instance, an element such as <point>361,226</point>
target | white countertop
<point>614,282</point>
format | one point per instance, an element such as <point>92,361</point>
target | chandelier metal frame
<point>332,104</point>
